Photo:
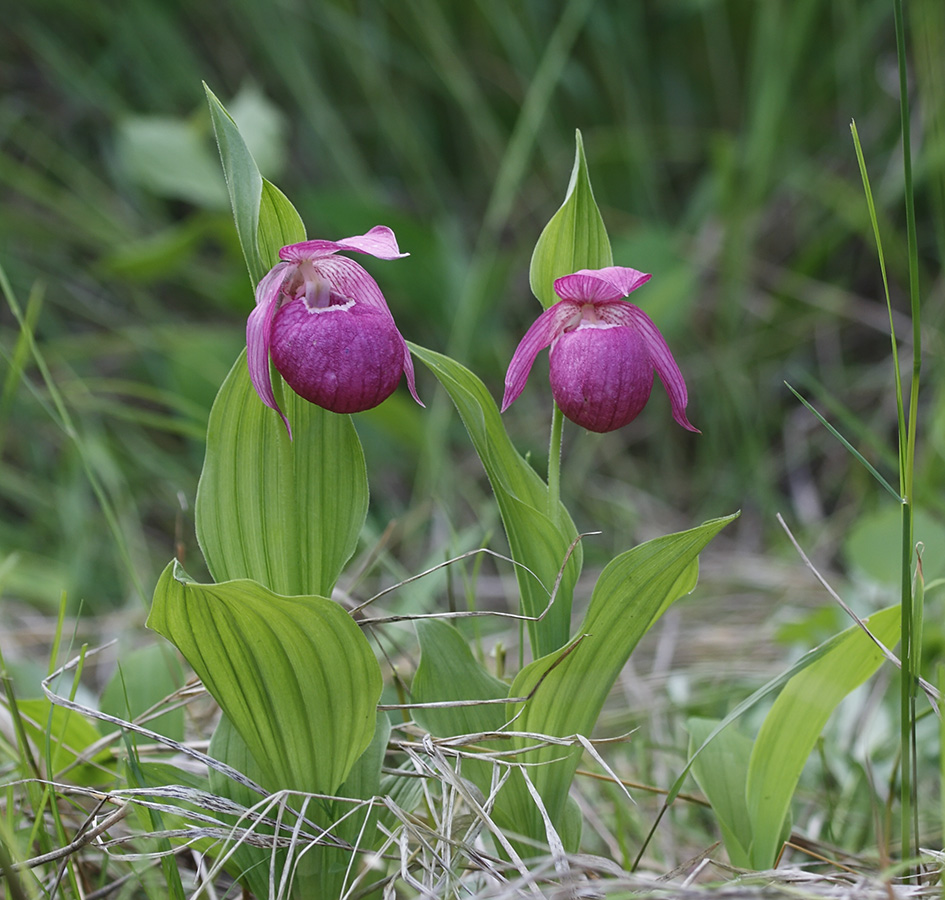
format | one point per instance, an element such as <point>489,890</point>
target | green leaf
<point>790,730</point>
<point>69,735</point>
<point>284,513</point>
<point>321,871</point>
<point>575,237</point>
<point>631,593</point>
<point>721,771</point>
<point>449,672</point>
<point>294,675</point>
<point>265,220</point>
<point>539,538</point>
<point>247,864</point>
<point>279,224</point>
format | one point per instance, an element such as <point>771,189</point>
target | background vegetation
<point>717,136</point>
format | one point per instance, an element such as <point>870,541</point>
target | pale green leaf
<point>322,869</point>
<point>294,675</point>
<point>631,593</point>
<point>284,513</point>
<point>795,721</point>
<point>449,672</point>
<point>721,771</point>
<point>265,219</point>
<point>575,237</point>
<point>539,537</point>
<point>247,864</point>
<point>69,736</point>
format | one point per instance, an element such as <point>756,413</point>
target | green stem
<point>554,462</point>
<point>906,682</point>
<point>907,453</point>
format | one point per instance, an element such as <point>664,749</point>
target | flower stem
<point>554,461</point>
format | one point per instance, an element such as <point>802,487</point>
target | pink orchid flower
<point>325,324</point>
<point>604,351</point>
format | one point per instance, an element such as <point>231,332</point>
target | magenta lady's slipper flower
<point>603,352</point>
<point>326,326</point>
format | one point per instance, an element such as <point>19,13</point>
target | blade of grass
<point>909,690</point>
<point>907,435</point>
<point>60,414</point>
<point>856,453</point>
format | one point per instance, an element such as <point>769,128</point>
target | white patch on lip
<point>334,307</point>
<point>602,326</point>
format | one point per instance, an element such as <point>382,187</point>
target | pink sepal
<point>379,241</point>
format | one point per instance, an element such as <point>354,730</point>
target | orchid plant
<point>280,507</point>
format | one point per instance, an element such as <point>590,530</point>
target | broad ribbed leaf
<point>631,593</point>
<point>795,721</point>
<point>294,675</point>
<point>285,513</point>
<point>539,537</point>
<point>575,237</point>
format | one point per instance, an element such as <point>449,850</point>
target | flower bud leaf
<point>279,224</point>
<point>575,238</point>
<point>265,219</point>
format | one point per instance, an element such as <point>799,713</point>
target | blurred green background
<point>718,141</point>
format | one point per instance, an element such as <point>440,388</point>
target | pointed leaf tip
<point>575,238</point>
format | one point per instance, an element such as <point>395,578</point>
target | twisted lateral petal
<point>379,241</point>
<point>408,371</point>
<point>665,366</point>
<point>542,332</point>
<point>259,336</point>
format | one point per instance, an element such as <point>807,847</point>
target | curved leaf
<point>285,513</point>
<point>295,675</point>
<point>795,721</point>
<point>449,672</point>
<point>720,771</point>
<point>631,593</point>
<point>539,538</point>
